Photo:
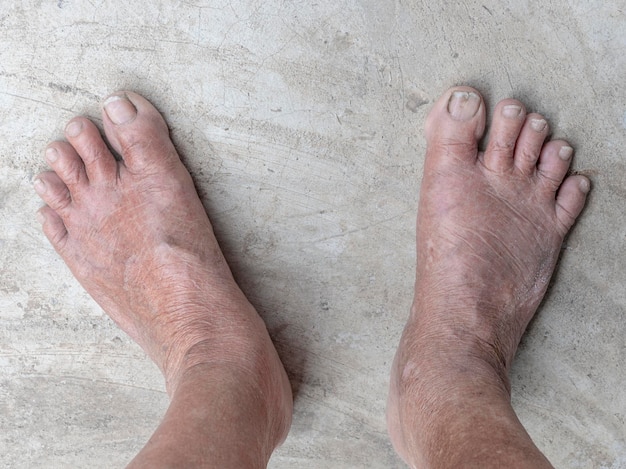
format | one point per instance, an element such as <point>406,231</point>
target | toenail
<point>463,105</point>
<point>51,155</point>
<point>119,109</point>
<point>74,128</point>
<point>40,186</point>
<point>538,125</point>
<point>584,185</point>
<point>565,153</point>
<point>39,216</point>
<point>511,111</point>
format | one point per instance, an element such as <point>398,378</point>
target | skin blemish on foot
<point>511,111</point>
<point>565,153</point>
<point>463,105</point>
<point>408,370</point>
<point>538,125</point>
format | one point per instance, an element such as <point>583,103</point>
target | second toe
<point>99,163</point>
<point>509,116</point>
<point>529,143</point>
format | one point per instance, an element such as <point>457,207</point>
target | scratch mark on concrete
<point>362,228</point>
<point>25,98</point>
<point>91,380</point>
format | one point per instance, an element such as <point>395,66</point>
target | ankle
<point>242,343</point>
<point>263,390</point>
<point>478,334</point>
<point>244,352</point>
<point>441,401</point>
<point>195,327</point>
<point>440,375</point>
<point>221,405</point>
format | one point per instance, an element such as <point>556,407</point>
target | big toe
<point>455,124</point>
<point>137,131</point>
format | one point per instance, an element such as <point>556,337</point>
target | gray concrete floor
<point>302,125</point>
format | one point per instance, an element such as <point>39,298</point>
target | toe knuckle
<point>135,147</point>
<point>57,236</point>
<point>565,219</point>
<point>61,200</point>
<point>98,153</point>
<point>527,155</point>
<point>71,173</point>
<point>553,182</point>
<point>60,239</point>
<point>502,146</point>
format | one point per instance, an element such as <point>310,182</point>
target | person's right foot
<point>489,231</point>
<point>136,236</point>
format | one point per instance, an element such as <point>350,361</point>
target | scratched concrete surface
<point>301,123</point>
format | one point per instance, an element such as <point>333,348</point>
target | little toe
<point>53,191</point>
<point>137,132</point>
<point>53,227</point>
<point>455,124</point>
<point>99,162</point>
<point>531,138</point>
<point>554,161</point>
<point>508,119</point>
<point>570,200</point>
<point>67,164</point>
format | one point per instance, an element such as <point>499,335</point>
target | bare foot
<point>489,231</point>
<point>136,236</point>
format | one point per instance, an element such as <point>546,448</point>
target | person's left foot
<point>136,236</point>
<point>489,230</point>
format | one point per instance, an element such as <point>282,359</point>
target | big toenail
<point>51,155</point>
<point>584,185</point>
<point>538,125</point>
<point>74,128</point>
<point>565,153</point>
<point>463,105</point>
<point>119,109</point>
<point>511,111</point>
<point>40,186</point>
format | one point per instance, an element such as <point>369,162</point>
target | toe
<point>531,138</point>
<point>137,132</point>
<point>53,191</point>
<point>554,162</point>
<point>570,200</point>
<point>66,163</point>
<point>455,124</point>
<point>53,227</point>
<point>508,119</point>
<point>99,162</point>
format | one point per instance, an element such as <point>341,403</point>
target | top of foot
<point>492,223</point>
<point>123,227</point>
<point>489,231</point>
<point>137,237</point>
